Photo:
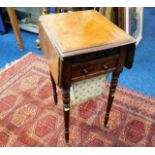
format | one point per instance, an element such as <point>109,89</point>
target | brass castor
<point>106,126</point>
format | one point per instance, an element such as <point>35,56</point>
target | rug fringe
<point>13,62</point>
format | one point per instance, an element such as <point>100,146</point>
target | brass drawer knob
<point>85,71</point>
<point>105,66</point>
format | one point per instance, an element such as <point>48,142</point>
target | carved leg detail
<point>114,82</point>
<point>66,104</point>
<point>54,89</point>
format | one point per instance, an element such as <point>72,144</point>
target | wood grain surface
<point>83,32</point>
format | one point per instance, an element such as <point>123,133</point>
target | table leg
<point>15,26</point>
<point>114,82</point>
<point>66,104</point>
<point>54,89</point>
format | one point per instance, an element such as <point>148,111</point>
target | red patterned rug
<point>28,116</point>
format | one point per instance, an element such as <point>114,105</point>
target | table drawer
<point>94,66</point>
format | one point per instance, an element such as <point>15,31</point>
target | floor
<point>140,78</point>
<point>9,50</point>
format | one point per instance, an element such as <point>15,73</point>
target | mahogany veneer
<point>80,45</point>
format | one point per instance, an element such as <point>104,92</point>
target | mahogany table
<point>80,45</point>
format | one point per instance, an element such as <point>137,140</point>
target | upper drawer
<point>96,66</point>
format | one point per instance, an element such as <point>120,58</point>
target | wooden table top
<point>81,32</point>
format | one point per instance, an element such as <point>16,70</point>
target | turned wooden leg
<point>66,104</point>
<point>54,89</point>
<point>114,82</point>
<point>15,26</point>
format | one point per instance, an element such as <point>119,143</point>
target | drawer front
<point>95,66</point>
